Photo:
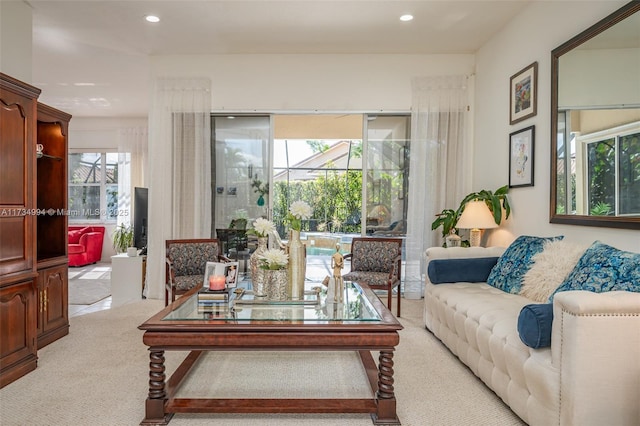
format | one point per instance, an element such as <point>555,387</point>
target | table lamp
<point>476,216</point>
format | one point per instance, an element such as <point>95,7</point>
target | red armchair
<point>85,244</point>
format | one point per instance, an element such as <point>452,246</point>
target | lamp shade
<point>476,215</point>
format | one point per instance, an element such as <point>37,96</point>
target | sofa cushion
<point>191,258</point>
<point>460,270</point>
<point>604,268</point>
<point>187,282</point>
<point>368,277</point>
<point>534,325</point>
<point>515,262</point>
<point>373,256</point>
<point>549,269</point>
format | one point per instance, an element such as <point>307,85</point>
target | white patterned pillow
<point>549,269</point>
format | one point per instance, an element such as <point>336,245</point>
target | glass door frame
<point>365,157</point>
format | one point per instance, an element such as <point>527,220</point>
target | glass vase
<point>275,284</point>
<point>297,266</point>
<point>257,273</point>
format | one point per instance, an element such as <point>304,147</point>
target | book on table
<point>215,295</point>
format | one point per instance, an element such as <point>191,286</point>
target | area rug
<point>88,292</point>
<point>99,375</point>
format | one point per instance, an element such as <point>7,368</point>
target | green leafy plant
<point>259,187</point>
<point>496,201</point>
<point>447,218</point>
<point>601,209</point>
<point>122,238</point>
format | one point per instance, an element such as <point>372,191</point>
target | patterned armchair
<point>186,262</point>
<point>376,262</point>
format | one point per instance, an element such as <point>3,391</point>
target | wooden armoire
<point>33,227</point>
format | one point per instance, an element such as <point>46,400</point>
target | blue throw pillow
<point>534,325</point>
<point>515,262</point>
<point>603,268</point>
<point>470,270</point>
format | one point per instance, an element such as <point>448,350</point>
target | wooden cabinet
<point>52,236</point>
<point>53,297</point>
<point>17,330</point>
<point>33,227</point>
<point>18,103</point>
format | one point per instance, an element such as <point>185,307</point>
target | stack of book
<point>213,301</point>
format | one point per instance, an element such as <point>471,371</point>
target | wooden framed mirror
<point>595,124</point>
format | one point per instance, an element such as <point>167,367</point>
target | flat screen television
<point>140,217</point>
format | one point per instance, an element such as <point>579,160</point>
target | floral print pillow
<point>604,268</point>
<point>515,262</point>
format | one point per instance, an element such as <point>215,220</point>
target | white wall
<point>311,82</point>
<point>15,40</point>
<point>99,133</point>
<point>530,37</point>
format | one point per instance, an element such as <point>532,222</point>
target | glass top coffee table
<point>316,307</point>
<point>362,324</point>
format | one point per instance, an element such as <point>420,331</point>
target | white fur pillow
<point>549,269</point>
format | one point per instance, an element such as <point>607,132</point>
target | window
<point>93,186</point>
<point>612,167</point>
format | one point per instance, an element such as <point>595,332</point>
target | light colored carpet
<point>89,284</point>
<point>98,375</point>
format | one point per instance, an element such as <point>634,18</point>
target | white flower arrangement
<point>298,211</point>
<point>274,259</point>
<point>263,227</point>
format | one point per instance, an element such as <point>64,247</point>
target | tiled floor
<point>97,270</point>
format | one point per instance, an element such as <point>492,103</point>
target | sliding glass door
<point>387,172</point>
<point>351,168</point>
<point>241,176</point>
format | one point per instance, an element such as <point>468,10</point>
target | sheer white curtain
<point>440,164</point>
<point>179,169</point>
<point>132,164</point>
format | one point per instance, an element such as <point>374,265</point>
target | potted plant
<point>122,238</point>
<point>496,201</point>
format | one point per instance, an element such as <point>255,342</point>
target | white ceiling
<point>106,43</point>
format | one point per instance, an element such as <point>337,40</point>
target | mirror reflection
<point>596,109</point>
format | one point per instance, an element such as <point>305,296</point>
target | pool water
<point>318,251</point>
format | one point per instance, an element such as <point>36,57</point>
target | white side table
<point>126,279</point>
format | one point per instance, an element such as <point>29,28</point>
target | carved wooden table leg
<point>386,399</point>
<point>154,406</point>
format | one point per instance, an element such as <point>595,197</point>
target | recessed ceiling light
<point>406,18</point>
<point>152,18</point>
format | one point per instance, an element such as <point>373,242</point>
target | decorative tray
<point>247,297</point>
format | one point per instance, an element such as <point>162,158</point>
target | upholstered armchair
<point>377,263</point>
<point>186,263</point>
<point>85,244</point>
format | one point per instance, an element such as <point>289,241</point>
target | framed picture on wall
<point>523,97</point>
<point>521,149</point>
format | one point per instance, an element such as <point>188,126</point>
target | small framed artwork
<point>220,275</point>
<point>523,99</point>
<point>521,149</point>
<point>231,274</point>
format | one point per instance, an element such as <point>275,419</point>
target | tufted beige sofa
<point>589,376</point>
